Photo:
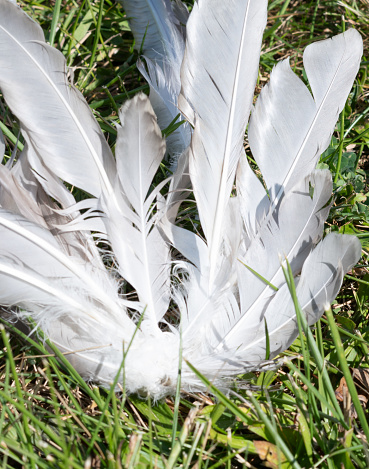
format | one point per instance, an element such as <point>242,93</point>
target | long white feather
<point>295,136</point>
<point>141,252</point>
<point>318,285</point>
<point>220,115</point>
<point>37,89</point>
<point>290,124</point>
<point>218,101</point>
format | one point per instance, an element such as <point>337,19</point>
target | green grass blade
<point>54,22</point>
<point>346,372</point>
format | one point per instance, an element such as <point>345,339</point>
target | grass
<point>312,412</point>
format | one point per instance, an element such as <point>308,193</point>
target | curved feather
<point>33,79</point>
<point>75,303</point>
<point>296,135</point>
<point>320,281</point>
<point>292,233</point>
<point>39,251</point>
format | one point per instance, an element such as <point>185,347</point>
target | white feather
<point>37,90</point>
<point>290,124</point>
<point>155,28</point>
<point>217,102</point>
<point>141,252</point>
<point>158,29</point>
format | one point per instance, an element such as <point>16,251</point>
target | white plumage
<point>159,31</point>
<point>225,287</point>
